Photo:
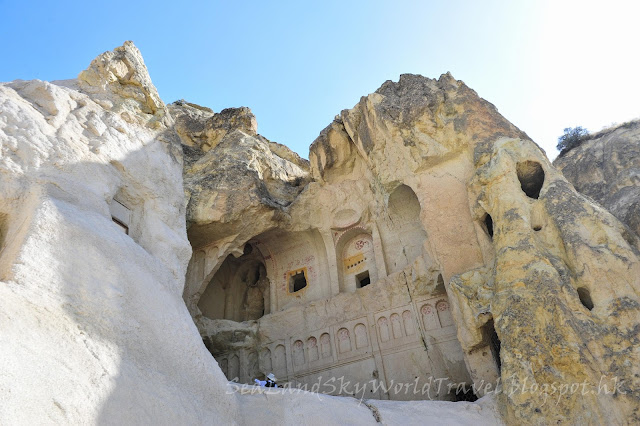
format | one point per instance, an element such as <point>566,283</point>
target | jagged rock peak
<point>432,120</point>
<point>199,127</point>
<point>409,84</point>
<point>122,72</point>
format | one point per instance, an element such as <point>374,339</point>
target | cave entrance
<point>358,260</point>
<point>239,290</point>
<point>531,177</point>
<point>297,280</point>
<point>463,392</point>
<point>487,221</point>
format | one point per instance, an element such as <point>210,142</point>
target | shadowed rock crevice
<point>487,221</point>
<point>4,224</point>
<point>585,298</point>
<point>490,337</point>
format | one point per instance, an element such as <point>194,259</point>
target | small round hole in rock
<point>537,228</point>
<point>585,298</point>
<point>531,177</point>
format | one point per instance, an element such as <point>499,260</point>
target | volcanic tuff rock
<point>93,328</point>
<point>548,243</point>
<point>99,311</point>
<point>556,275</point>
<point>92,325</point>
<point>201,128</point>
<point>235,183</point>
<point>606,167</point>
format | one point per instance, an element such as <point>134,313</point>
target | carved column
<point>379,253</point>
<point>332,261</point>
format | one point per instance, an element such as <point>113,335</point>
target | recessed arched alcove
<point>440,286</point>
<point>356,260</point>
<point>287,267</point>
<point>296,264</point>
<point>401,230</point>
<point>239,290</point>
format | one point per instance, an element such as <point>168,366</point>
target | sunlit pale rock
<point>92,325</point>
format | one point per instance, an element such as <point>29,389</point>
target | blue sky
<point>546,65</point>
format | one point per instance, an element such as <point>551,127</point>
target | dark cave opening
<point>531,177</point>
<point>585,298</point>
<point>488,224</point>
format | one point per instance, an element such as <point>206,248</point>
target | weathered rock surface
<point>536,273</point>
<point>201,128</point>
<point>229,168</point>
<point>562,292</point>
<point>606,167</point>
<point>422,193</point>
<point>92,325</point>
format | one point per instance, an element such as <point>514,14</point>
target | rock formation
<point>606,167</point>
<point>94,251</point>
<point>426,238</point>
<point>542,282</point>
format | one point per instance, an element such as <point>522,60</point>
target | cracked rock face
<point>233,175</point>
<point>606,167</point>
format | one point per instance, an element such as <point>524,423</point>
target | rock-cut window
<point>297,280</point>
<point>363,279</point>
<point>121,215</point>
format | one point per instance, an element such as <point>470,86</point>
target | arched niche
<point>279,361</point>
<point>401,231</point>
<point>297,266</point>
<point>356,260</point>
<point>239,290</point>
